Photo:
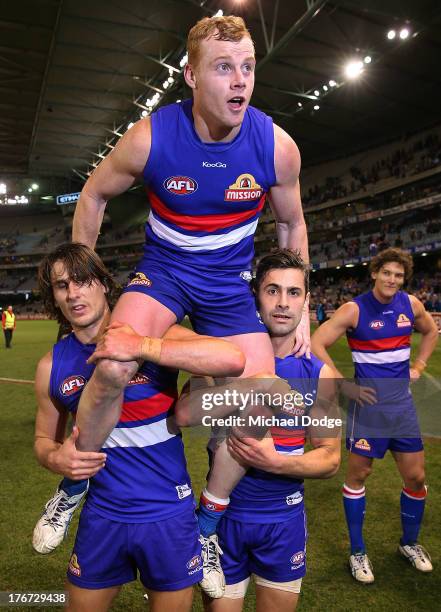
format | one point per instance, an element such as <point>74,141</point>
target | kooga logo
<point>216,165</point>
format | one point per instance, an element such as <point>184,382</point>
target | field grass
<point>328,586</point>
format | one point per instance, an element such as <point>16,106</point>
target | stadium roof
<point>73,73</point>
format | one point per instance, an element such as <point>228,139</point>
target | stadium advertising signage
<point>67,198</point>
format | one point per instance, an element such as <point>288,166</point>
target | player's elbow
<point>182,414</point>
<point>334,461</point>
<point>237,362</point>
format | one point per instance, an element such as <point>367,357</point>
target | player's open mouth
<point>236,103</point>
<point>79,308</point>
<point>281,317</point>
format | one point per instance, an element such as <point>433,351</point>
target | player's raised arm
<point>115,174</point>
<point>425,324</point>
<point>284,196</point>
<point>179,349</point>
<point>286,205</point>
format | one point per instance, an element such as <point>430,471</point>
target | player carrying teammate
<point>378,326</point>
<point>263,531</point>
<point>207,165</point>
<point>140,505</point>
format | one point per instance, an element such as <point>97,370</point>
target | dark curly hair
<point>83,266</point>
<point>396,255</point>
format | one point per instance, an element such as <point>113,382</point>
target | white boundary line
<point>433,380</point>
<point>19,381</point>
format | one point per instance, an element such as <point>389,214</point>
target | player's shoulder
<point>416,304</point>
<point>346,315</point>
<point>286,155</point>
<point>43,371</point>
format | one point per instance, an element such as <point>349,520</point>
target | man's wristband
<point>419,365</point>
<point>151,349</point>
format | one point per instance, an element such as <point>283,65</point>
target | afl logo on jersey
<point>180,185</point>
<point>377,324</point>
<point>71,385</point>
<point>244,188</point>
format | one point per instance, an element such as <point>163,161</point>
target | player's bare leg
<point>224,604</point>
<point>358,470</point>
<point>100,405</point>
<point>412,502</point>
<point>275,600</point>
<point>90,600</point>
<point>259,353</point>
<point>225,471</point>
<point>172,601</point>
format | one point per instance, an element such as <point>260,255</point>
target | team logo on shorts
<point>246,276</point>
<point>259,318</point>
<point>74,566</point>
<point>297,560</point>
<point>180,185</point>
<point>139,379</point>
<point>194,565</point>
<point>403,321</point>
<point>244,188</point>
<point>293,500</point>
<point>377,324</point>
<point>140,279</point>
<point>183,491</point>
<point>363,444</point>
<point>71,385</point>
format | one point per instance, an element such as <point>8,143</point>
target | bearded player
<point>262,532</point>
<point>378,327</point>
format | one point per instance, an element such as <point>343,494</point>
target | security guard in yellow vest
<point>8,324</point>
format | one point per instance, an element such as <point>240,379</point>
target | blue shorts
<point>218,304</point>
<point>107,553</point>
<point>274,551</point>
<point>373,430</point>
<point>377,447</point>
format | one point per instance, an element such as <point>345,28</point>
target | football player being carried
<point>208,165</point>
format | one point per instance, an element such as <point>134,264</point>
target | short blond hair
<point>227,27</point>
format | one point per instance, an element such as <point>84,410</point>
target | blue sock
<point>73,487</point>
<point>412,510</point>
<point>354,501</point>
<point>211,510</point>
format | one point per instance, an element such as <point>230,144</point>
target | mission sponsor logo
<point>74,566</point>
<point>403,321</point>
<point>244,189</point>
<point>180,185</point>
<point>139,379</point>
<point>140,279</point>
<point>363,444</point>
<point>377,324</point>
<point>72,385</point>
